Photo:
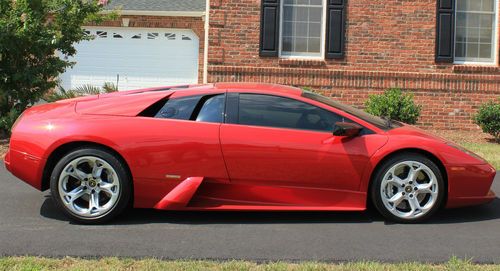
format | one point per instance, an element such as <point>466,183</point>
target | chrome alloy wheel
<point>409,190</point>
<point>89,186</point>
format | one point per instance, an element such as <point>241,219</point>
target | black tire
<point>125,184</point>
<point>376,194</point>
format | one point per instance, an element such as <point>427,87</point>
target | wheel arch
<point>66,148</point>
<point>429,155</point>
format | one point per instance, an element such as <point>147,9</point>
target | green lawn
<point>32,263</point>
<point>489,151</point>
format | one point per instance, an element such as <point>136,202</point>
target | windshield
<point>377,121</point>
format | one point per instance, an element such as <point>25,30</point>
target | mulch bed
<point>475,136</point>
<point>4,144</point>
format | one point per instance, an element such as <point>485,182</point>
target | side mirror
<point>347,129</point>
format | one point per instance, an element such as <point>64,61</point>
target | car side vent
<point>153,109</point>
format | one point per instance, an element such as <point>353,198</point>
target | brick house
<point>444,51</point>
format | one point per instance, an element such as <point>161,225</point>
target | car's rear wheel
<point>91,185</point>
<point>408,188</point>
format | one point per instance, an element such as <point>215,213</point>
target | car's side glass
<point>212,109</point>
<point>280,112</point>
<point>181,108</point>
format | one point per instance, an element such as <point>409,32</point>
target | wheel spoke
<point>425,188</point>
<point>108,188</point>
<point>94,201</point>
<point>97,171</point>
<point>77,174</point>
<point>413,173</point>
<point>396,180</point>
<point>396,199</point>
<point>414,204</point>
<point>76,194</point>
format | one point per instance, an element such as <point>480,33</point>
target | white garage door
<point>135,58</point>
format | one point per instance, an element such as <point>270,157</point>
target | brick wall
<point>390,43</point>
<point>194,23</point>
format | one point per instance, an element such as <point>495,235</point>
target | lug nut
<point>411,195</point>
<point>411,182</point>
<point>416,189</point>
<point>404,193</point>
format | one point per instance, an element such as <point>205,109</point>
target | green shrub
<point>488,117</point>
<point>394,104</point>
<point>7,121</point>
<point>84,90</point>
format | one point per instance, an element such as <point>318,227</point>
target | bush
<point>7,121</point>
<point>394,104</point>
<point>84,90</point>
<point>488,117</point>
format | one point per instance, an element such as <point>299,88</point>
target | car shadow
<point>148,216</point>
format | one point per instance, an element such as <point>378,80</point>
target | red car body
<point>186,165</point>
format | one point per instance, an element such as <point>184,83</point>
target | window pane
<point>212,110</point>
<point>485,50</point>
<point>485,35</point>
<point>460,50</point>
<point>180,109</point>
<point>472,50</point>
<point>301,27</point>
<point>475,28</point>
<point>474,5</point>
<point>279,112</point>
<point>488,5</point>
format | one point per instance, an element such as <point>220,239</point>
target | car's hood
<point>409,130</point>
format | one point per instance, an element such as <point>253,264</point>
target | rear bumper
<point>25,167</point>
<point>7,161</point>
<point>470,185</point>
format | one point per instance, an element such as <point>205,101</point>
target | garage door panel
<point>160,57</point>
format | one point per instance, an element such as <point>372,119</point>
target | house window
<point>475,31</point>
<point>302,24</point>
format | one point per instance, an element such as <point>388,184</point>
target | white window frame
<point>494,44</point>
<point>323,36</point>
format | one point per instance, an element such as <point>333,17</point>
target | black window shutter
<point>269,28</point>
<point>335,29</point>
<point>445,31</point>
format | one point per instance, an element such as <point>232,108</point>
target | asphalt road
<point>31,225</point>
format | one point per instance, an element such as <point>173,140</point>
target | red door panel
<point>177,148</point>
<point>296,158</point>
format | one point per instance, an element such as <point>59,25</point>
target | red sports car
<point>237,147</point>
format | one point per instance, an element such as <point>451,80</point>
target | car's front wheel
<point>408,188</point>
<point>91,185</point>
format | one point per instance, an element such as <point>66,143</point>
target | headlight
<point>462,149</point>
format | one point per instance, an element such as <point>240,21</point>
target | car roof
<point>185,90</point>
<point>259,88</point>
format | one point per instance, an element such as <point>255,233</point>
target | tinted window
<point>273,111</point>
<point>379,122</point>
<point>181,109</point>
<point>212,110</point>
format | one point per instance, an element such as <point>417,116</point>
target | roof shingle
<point>158,5</point>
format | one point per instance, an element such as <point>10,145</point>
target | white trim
<point>323,36</point>
<point>205,52</point>
<point>494,46</point>
<point>158,13</point>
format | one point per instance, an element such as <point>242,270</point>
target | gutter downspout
<point>205,53</point>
